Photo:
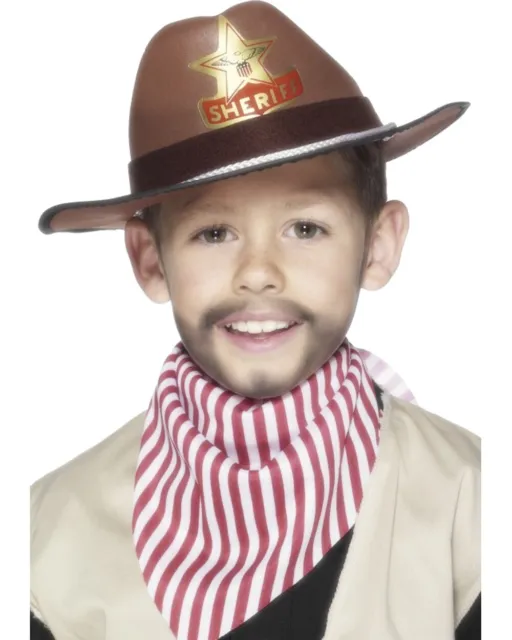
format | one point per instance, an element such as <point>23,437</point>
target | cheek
<point>330,278</point>
<point>194,284</point>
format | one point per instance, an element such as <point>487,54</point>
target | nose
<point>258,271</point>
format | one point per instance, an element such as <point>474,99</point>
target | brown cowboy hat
<point>217,97</point>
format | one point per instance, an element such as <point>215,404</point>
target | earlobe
<point>145,260</point>
<point>385,246</point>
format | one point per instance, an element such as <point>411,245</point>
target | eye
<point>306,230</point>
<point>213,235</point>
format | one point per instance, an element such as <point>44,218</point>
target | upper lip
<point>257,316</point>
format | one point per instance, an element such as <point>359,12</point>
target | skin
<point>288,240</point>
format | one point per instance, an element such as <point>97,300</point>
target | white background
<point>82,347</point>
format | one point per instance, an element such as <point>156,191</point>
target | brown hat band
<point>257,136</point>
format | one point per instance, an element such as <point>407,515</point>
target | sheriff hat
<point>216,97</point>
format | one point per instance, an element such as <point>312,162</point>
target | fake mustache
<point>216,314</point>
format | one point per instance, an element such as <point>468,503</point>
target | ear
<point>145,259</point>
<point>385,246</point>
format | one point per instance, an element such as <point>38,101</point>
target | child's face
<point>287,246</point>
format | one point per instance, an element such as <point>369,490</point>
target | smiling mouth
<point>260,336</point>
<point>259,329</point>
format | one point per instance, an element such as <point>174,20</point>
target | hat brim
<point>113,213</point>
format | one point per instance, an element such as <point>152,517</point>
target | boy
<point>273,489</point>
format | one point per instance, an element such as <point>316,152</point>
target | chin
<point>261,386</point>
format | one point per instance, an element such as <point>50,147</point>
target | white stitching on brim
<point>290,154</point>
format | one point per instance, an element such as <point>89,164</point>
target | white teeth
<point>267,326</point>
<point>254,327</point>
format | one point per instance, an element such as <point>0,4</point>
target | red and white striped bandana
<point>236,500</point>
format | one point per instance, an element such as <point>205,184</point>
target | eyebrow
<point>187,214</point>
<point>200,205</point>
<point>309,199</point>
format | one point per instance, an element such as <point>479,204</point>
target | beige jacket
<point>411,573</point>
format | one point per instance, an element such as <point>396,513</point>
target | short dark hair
<point>367,176</point>
<point>367,168</point>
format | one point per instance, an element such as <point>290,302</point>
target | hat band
<point>295,153</point>
<point>274,132</point>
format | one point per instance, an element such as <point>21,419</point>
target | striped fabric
<point>236,500</point>
<point>386,377</point>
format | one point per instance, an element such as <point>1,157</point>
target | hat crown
<point>201,74</point>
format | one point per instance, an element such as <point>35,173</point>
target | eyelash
<point>220,227</point>
<point>312,223</point>
<point>211,227</point>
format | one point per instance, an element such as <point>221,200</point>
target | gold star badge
<point>237,62</point>
<point>244,86</point>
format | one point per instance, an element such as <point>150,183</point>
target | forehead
<point>296,185</point>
